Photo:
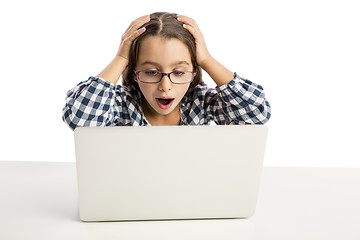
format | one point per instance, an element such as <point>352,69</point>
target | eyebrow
<point>174,64</point>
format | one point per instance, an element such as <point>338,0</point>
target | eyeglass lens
<point>155,76</point>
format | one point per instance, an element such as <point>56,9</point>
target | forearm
<point>113,71</point>
<point>220,74</point>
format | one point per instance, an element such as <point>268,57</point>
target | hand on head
<point>131,33</point>
<point>202,53</point>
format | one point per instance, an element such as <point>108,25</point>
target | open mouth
<point>164,103</point>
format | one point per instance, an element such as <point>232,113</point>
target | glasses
<point>176,77</point>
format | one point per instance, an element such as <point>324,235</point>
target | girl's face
<point>164,55</point>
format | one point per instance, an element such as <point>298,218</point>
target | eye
<point>178,73</point>
<point>151,73</point>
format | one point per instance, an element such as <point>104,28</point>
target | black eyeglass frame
<point>162,75</point>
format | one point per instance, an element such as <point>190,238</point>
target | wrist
<point>219,73</point>
<point>121,59</point>
<point>114,69</point>
<point>206,63</point>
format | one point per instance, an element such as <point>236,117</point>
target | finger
<point>191,30</point>
<point>138,23</point>
<point>187,20</point>
<point>138,20</point>
<point>128,41</point>
<point>135,34</point>
<point>196,34</point>
<point>135,25</point>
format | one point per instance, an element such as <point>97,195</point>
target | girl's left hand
<point>202,54</point>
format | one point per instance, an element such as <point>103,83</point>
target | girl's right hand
<point>130,34</point>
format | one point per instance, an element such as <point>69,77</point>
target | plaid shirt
<point>96,102</point>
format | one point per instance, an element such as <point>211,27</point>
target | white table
<point>39,201</point>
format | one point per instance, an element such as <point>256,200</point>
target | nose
<point>165,84</point>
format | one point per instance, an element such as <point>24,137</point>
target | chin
<point>164,112</point>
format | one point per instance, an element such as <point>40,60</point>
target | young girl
<point>160,58</point>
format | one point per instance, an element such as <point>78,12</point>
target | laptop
<point>130,173</point>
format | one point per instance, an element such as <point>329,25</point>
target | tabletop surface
<point>39,201</point>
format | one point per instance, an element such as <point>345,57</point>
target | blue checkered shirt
<point>96,102</point>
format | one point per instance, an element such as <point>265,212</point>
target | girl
<point>160,58</point>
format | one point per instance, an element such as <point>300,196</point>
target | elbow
<point>81,119</point>
<point>251,114</point>
<point>264,113</point>
<point>258,115</point>
<point>68,118</point>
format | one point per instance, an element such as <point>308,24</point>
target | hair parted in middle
<point>165,25</point>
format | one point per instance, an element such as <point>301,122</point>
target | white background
<point>306,55</point>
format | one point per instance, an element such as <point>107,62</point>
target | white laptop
<point>168,172</point>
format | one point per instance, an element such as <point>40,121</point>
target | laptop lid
<point>168,172</point>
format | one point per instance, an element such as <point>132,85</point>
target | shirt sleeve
<point>240,101</point>
<point>91,103</point>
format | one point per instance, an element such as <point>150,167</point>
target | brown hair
<point>166,25</point>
